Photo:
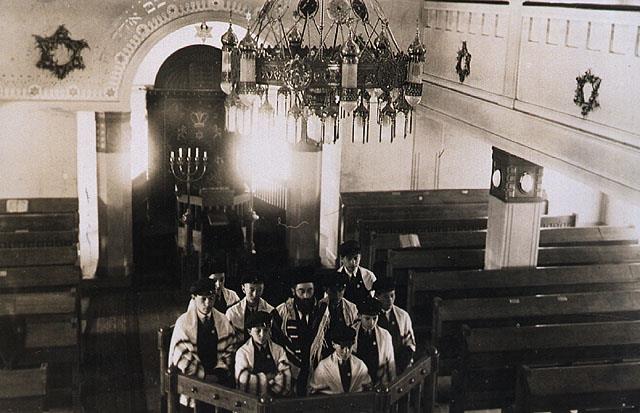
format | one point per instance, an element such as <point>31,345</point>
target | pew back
<point>591,386</point>
<point>23,389</point>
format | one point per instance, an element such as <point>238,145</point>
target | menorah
<point>189,169</point>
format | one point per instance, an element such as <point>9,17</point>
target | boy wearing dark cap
<point>262,366</point>
<point>341,372</point>
<point>373,344</point>
<point>335,311</point>
<point>202,343</point>
<point>223,297</point>
<point>252,287</point>
<point>360,279</point>
<point>397,321</point>
<point>299,316</point>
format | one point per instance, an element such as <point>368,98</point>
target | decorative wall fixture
<point>59,53</point>
<point>587,105</point>
<point>463,62</point>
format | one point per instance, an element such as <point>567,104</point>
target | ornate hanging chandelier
<point>332,70</point>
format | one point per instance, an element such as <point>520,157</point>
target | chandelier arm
<point>329,32</point>
<point>335,38</point>
<point>321,28</point>
<point>390,33</point>
<point>284,35</point>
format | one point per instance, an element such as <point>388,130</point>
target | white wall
<point>567,196</point>
<point>37,152</point>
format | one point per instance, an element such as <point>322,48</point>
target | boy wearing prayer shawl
<point>361,280</point>
<point>374,344</point>
<point>223,297</point>
<point>335,311</point>
<point>341,372</point>
<point>202,343</point>
<point>252,287</point>
<point>397,321</point>
<point>262,366</point>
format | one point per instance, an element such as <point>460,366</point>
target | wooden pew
<point>486,374</point>
<point>40,302</point>
<point>450,315</point>
<point>23,390</point>
<point>549,237</point>
<point>424,287</point>
<point>614,386</point>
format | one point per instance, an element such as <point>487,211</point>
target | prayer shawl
<point>368,277</point>
<point>183,349</point>
<point>230,297</point>
<point>350,314</point>
<point>287,312</point>
<point>235,314</point>
<point>386,357</point>
<point>326,377</point>
<point>405,326</point>
<point>259,383</point>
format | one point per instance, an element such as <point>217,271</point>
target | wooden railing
<point>412,391</point>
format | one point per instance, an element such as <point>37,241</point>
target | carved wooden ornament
<point>59,53</point>
<point>587,105</point>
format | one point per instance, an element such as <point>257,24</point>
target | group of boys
<point>304,345</point>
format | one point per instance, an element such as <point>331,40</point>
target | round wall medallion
<point>496,178</point>
<point>526,183</point>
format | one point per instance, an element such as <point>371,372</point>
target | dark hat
<point>257,319</point>
<point>370,306</point>
<point>252,277</point>
<point>335,280</point>
<point>342,334</point>
<point>302,275</point>
<point>217,267</point>
<point>203,286</point>
<point>349,248</point>
<point>384,284</point>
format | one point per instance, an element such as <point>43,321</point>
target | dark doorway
<point>185,109</point>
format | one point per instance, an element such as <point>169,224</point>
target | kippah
<point>335,280</point>
<point>370,306</point>
<point>203,286</point>
<point>351,247</point>
<point>384,284</point>
<point>342,334</point>
<point>302,275</point>
<point>257,319</point>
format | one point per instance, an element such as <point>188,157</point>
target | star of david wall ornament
<point>59,53</point>
<point>590,81</point>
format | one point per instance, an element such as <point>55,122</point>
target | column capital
<point>514,179</point>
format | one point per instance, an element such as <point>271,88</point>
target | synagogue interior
<point>318,205</point>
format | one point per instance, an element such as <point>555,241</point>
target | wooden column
<point>114,194</point>
<point>515,208</point>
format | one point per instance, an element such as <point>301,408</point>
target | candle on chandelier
<point>204,156</point>
<point>179,153</point>
<point>189,152</point>
<point>172,156</point>
<point>197,152</point>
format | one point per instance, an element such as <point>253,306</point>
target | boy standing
<point>360,279</point>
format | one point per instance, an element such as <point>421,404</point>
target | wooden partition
<point>412,391</point>
<point>23,390</point>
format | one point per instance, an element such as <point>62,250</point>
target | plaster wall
<point>37,152</point>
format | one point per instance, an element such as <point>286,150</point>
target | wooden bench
<point>424,287</point>
<point>450,315</point>
<point>485,376</point>
<point>413,390</point>
<point>399,262</point>
<point>40,301</point>
<point>614,386</point>
<point>549,237</point>
<point>23,390</point>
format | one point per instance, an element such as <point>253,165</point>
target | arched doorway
<point>185,109</point>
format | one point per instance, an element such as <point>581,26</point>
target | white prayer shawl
<point>326,377</point>
<point>230,297</point>
<point>258,383</point>
<point>350,314</point>
<point>183,348</point>
<point>287,312</point>
<point>405,326</point>
<point>235,314</point>
<point>386,358</point>
<point>368,277</point>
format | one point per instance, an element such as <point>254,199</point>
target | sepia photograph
<point>313,206</point>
